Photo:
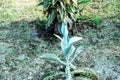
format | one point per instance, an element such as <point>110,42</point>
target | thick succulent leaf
<point>85,72</point>
<point>78,51</point>
<point>64,30</point>
<point>71,51</point>
<point>67,50</point>
<point>74,39</point>
<point>50,75</point>
<point>65,47</point>
<point>52,57</point>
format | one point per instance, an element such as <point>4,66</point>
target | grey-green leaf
<point>71,51</point>
<point>79,50</point>
<point>74,39</point>
<point>52,57</point>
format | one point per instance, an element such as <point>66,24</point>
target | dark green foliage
<point>58,11</point>
<point>83,1</point>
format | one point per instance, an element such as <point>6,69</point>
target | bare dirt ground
<point>20,48</point>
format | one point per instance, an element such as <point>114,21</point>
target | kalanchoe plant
<point>70,54</point>
<point>67,47</point>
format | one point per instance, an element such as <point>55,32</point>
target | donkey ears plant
<point>66,42</point>
<point>70,54</point>
<point>67,48</point>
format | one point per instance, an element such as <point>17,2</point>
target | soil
<point>103,49</point>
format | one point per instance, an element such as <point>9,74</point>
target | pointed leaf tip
<point>58,37</point>
<point>64,30</point>
<point>74,39</point>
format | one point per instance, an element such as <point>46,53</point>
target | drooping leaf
<point>85,72</point>
<point>69,21</point>
<point>74,39</point>
<point>58,27</point>
<point>52,57</point>
<point>51,18</point>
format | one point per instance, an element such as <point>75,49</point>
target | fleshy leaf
<point>52,57</point>
<point>85,72</point>
<point>78,51</point>
<point>74,39</point>
<point>65,45</point>
<point>64,30</point>
<point>71,51</point>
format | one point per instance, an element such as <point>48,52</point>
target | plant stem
<point>68,74</point>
